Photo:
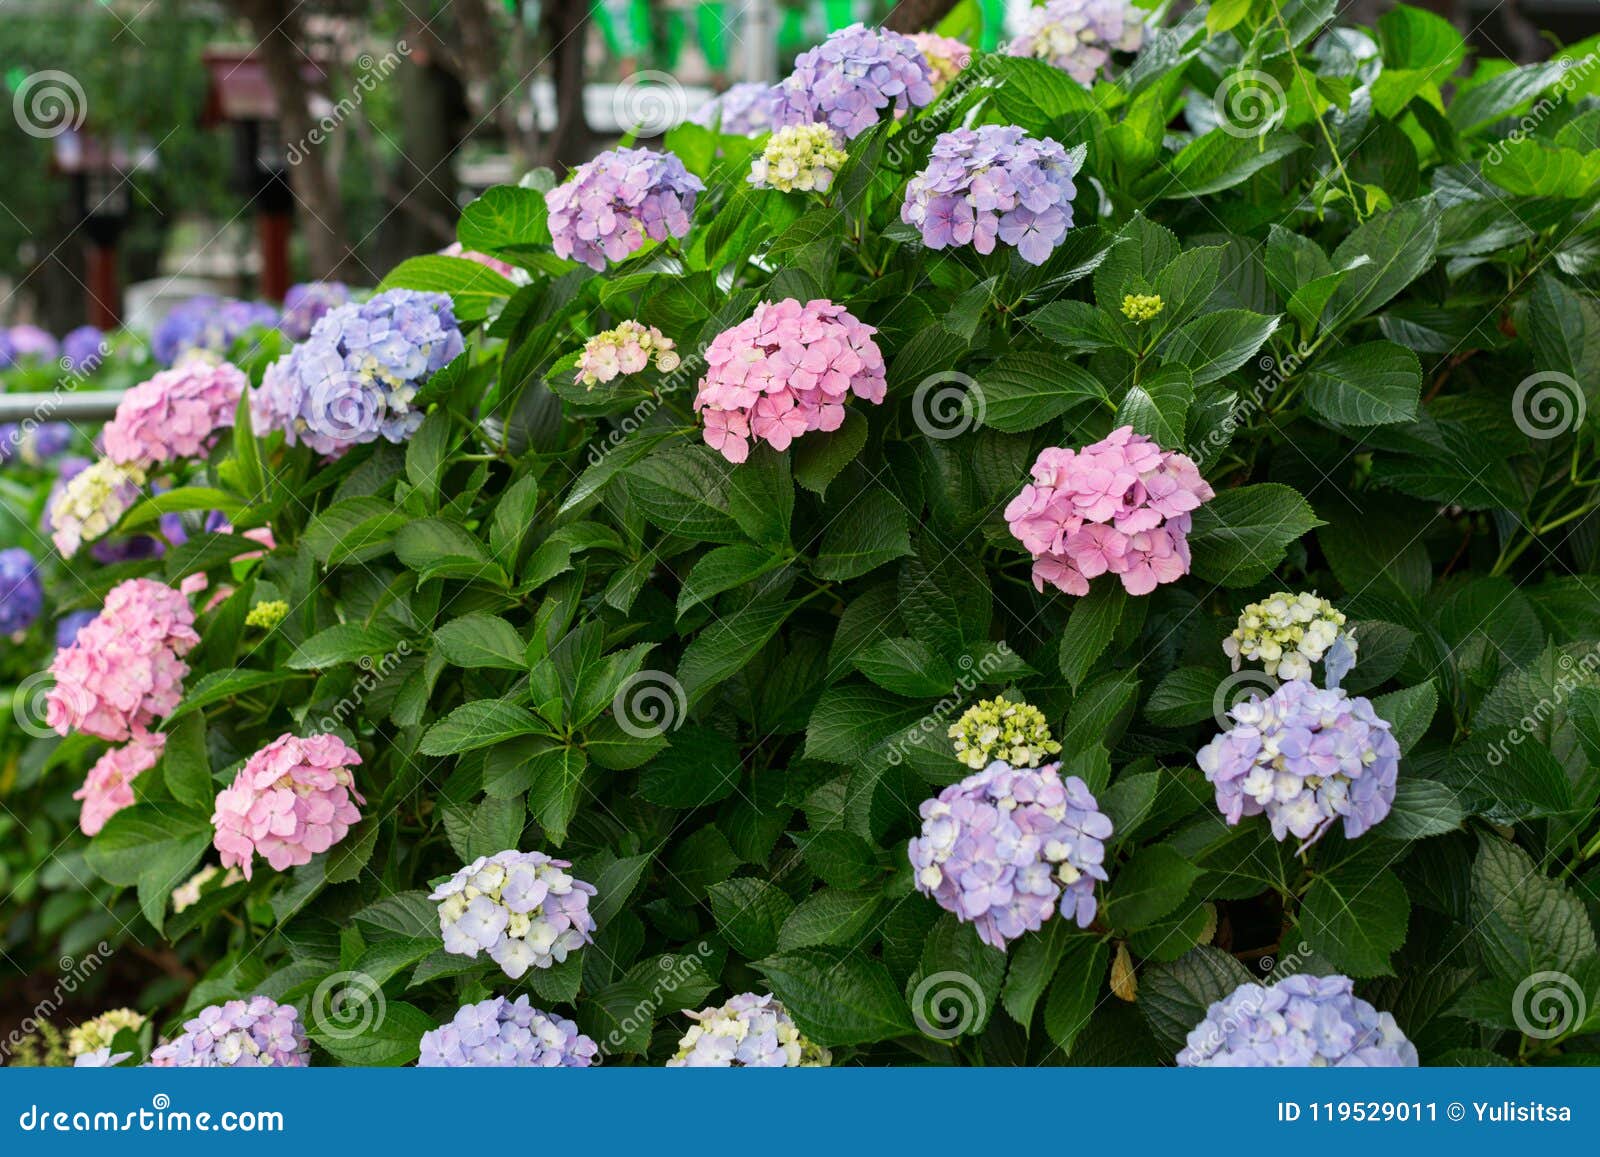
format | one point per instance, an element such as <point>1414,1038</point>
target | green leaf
<point>1398,244</point>
<point>473,288</point>
<point>1242,534</point>
<point>818,457</point>
<point>1422,808</point>
<point>1372,384</point>
<point>701,767</point>
<point>723,569</point>
<point>1088,632</point>
<point>553,798</point>
<point>352,530</point>
<point>749,912</point>
<point>872,530</point>
<point>186,764</point>
<point>1025,390</point>
<point>684,491</point>
<point>1158,407</point>
<point>154,846</point>
<point>1524,921</point>
<point>177,501</point>
<point>390,1040</point>
<point>832,916</point>
<point>905,666</point>
<point>1215,344</point>
<point>723,648</point>
<point>504,215</point>
<point>344,643</point>
<point>1408,712</point>
<point>1148,886</point>
<point>435,548</point>
<point>1174,997</point>
<point>481,723</point>
<point>761,497</point>
<point>1076,990</point>
<point>1033,965</point>
<point>838,997</point>
<point>474,641</point>
<point>1356,917</point>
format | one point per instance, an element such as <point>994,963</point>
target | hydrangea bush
<point>726,708</point>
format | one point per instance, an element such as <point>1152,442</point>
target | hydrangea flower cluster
<point>1120,505</point>
<point>356,377</point>
<point>83,349</point>
<point>748,1032</point>
<point>98,1032</point>
<point>1286,634</point>
<point>1305,757</point>
<point>521,907</point>
<point>501,1034</point>
<point>1007,846</point>
<point>68,626</point>
<point>254,1033</point>
<point>850,78</point>
<point>21,595</point>
<point>1079,36</point>
<point>91,501</point>
<point>504,268</point>
<point>125,669</point>
<point>993,183</point>
<point>783,371</point>
<point>108,788</point>
<point>611,204</point>
<point>1000,729</point>
<point>945,55</point>
<point>266,615</point>
<point>1300,1021</point>
<point>29,341</point>
<point>207,323</point>
<point>187,894</point>
<point>1142,307</point>
<point>799,158</point>
<point>627,349</point>
<point>101,1058</point>
<point>307,303</point>
<point>291,800</point>
<point>745,109</point>
<point>176,414</point>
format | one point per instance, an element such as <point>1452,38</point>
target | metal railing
<point>60,406</point>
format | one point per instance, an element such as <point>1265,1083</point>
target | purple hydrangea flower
<point>306,304</point>
<point>8,352</point>
<point>851,77</point>
<point>355,379</point>
<point>1078,36</point>
<point>994,183</point>
<point>1008,846</point>
<point>749,1032</point>
<point>501,1034</point>
<point>101,1058</point>
<point>745,109</point>
<point>68,626</point>
<point>1300,1021</point>
<point>1305,757</point>
<point>523,908</point>
<point>10,440</point>
<point>252,1033</point>
<point>208,323</point>
<point>45,441</point>
<point>611,204</point>
<point>21,596</point>
<point>83,349</point>
<point>29,341</point>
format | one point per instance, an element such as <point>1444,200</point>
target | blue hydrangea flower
<point>1300,1021</point>
<point>45,441</point>
<point>21,595</point>
<point>745,109</point>
<point>8,352</point>
<point>749,1032</point>
<point>83,349</point>
<point>502,1034</point>
<point>207,323</point>
<point>1008,846</point>
<point>254,1033</point>
<point>851,78</point>
<point>355,379</point>
<point>1306,757</point>
<point>68,626</point>
<point>307,303</point>
<point>523,908</point>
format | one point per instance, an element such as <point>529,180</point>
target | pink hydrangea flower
<point>175,414</point>
<point>125,670</point>
<point>503,268</point>
<point>946,55</point>
<point>108,787</point>
<point>1120,506</point>
<point>291,800</point>
<point>786,370</point>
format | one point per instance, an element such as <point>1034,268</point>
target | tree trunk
<point>566,26</point>
<point>917,15</point>
<point>278,30</point>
